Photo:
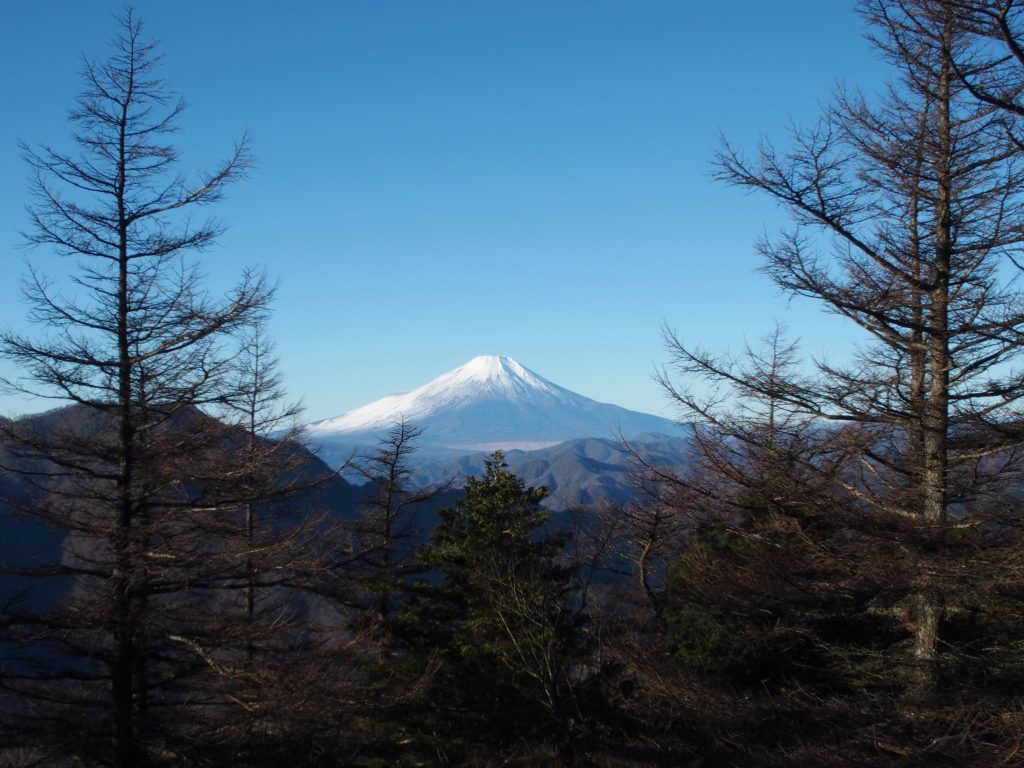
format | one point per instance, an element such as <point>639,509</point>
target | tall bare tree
<point>269,431</point>
<point>134,342</point>
<point>902,464</point>
<point>390,530</point>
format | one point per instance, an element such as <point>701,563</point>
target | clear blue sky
<point>439,179</point>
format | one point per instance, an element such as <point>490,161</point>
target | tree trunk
<point>927,605</point>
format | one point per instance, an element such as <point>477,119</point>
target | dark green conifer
<point>502,618</point>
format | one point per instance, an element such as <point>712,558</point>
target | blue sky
<point>439,179</point>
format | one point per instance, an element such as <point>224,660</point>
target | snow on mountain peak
<point>491,400</point>
<point>495,372</point>
<point>490,366</point>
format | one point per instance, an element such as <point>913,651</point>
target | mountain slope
<point>29,541</point>
<point>578,472</point>
<point>487,404</point>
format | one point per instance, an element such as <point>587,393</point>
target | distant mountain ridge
<point>581,472</point>
<point>490,403</point>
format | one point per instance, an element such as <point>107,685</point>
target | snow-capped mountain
<point>487,404</point>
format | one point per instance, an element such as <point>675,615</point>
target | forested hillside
<point>825,569</point>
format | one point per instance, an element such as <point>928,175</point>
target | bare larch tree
<point>135,344</point>
<point>887,475</point>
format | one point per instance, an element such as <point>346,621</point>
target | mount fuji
<point>490,403</point>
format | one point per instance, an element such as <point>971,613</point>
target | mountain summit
<point>487,404</point>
